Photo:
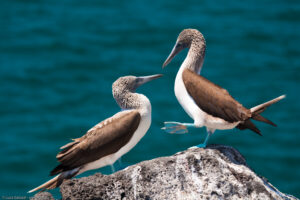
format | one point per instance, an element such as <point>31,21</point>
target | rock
<point>42,196</point>
<point>217,172</point>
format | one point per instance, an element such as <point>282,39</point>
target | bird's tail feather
<point>263,119</point>
<point>51,184</point>
<point>261,108</point>
<point>247,124</point>
<point>57,180</point>
<point>255,112</point>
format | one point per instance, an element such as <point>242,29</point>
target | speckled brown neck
<point>195,57</point>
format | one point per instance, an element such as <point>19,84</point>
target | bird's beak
<point>173,53</point>
<point>144,79</point>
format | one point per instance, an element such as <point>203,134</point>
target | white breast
<point>138,134</point>
<point>191,108</point>
<point>187,102</point>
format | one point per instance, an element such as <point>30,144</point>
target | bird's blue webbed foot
<point>203,145</point>
<point>176,127</point>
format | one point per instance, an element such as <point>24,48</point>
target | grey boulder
<point>216,172</point>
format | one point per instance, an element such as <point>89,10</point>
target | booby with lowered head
<point>106,142</point>
<point>207,103</point>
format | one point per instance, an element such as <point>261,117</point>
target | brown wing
<point>105,138</point>
<point>213,99</point>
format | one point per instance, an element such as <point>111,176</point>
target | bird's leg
<point>120,164</point>
<point>203,145</point>
<point>113,170</point>
<point>120,161</point>
<point>177,127</point>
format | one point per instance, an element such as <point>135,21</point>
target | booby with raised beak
<point>106,142</point>
<point>208,104</point>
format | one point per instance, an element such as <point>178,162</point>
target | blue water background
<point>59,58</point>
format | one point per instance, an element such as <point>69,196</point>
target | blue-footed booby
<point>206,103</point>
<point>106,142</point>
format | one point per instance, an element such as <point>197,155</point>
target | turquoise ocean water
<point>58,60</point>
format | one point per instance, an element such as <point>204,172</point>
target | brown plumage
<point>104,139</point>
<point>213,99</point>
<point>109,140</point>
<point>207,103</point>
<point>217,102</point>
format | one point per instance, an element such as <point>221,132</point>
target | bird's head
<point>185,39</point>
<point>131,83</point>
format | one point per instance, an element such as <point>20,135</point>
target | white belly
<point>187,103</point>
<point>191,108</point>
<point>137,136</point>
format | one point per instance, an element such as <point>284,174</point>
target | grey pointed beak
<point>173,53</point>
<point>144,79</point>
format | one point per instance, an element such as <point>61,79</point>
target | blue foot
<point>175,128</point>
<point>201,145</point>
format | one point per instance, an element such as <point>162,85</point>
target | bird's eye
<point>179,44</point>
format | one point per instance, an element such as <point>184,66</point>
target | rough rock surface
<point>217,172</point>
<point>42,196</point>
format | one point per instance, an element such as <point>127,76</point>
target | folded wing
<point>104,139</point>
<point>213,99</point>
